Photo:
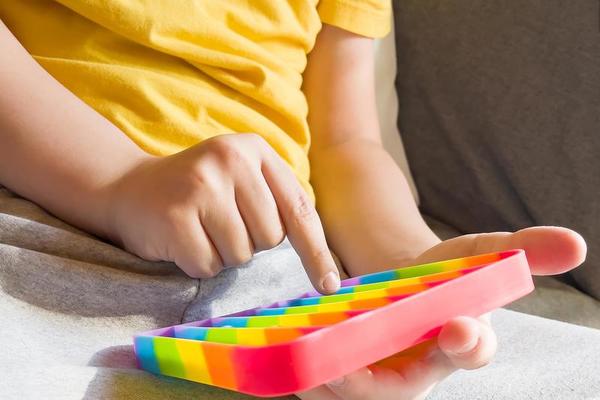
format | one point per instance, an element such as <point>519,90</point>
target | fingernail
<point>331,282</point>
<point>337,382</point>
<point>467,347</point>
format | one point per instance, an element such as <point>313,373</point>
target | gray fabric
<point>538,359</point>
<point>500,114</point>
<point>557,300</point>
<point>69,305</point>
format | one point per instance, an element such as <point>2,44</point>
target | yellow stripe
<point>193,359</point>
<point>406,281</point>
<point>294,320</point>
<point>251,337</point>
<point>371,294</point>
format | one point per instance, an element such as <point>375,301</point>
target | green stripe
<point>168,358</point>
<point>263,321</point>
<point>420,270</point>
<point>372,286</point>
<point>302,309</point>
<point>222,335</point>
<point>337,297</point>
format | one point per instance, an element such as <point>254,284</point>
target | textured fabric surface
<point>538,359</point>
<point>499,111</point>
<point>69,305</point>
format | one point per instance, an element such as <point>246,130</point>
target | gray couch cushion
<point>500,114</point>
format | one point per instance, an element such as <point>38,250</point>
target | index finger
<point>302,224</point>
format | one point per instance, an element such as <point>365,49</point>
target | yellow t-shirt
<point>173,73</point>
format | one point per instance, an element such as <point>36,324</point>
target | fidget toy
<point>294,345</point>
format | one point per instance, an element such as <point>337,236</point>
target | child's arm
<point>54,149</point>
<point>211,205</point>
<point>368,212</point>
<point>372,222</point>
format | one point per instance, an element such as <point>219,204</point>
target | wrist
<point>111,194</point>
<point>381,255</point>
<point>412,246</point>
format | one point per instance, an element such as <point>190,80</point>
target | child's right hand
<point>210,206</point>
<point>214,205</point>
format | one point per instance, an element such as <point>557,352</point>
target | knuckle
<point>321,254</point>
<point>198,170</point>
<point>196,178</point>
<point>209,273</point>
<point>201,273</point>
<point>269,241</point>
<point>192,273</point>
<point>302,210</point>
<point>240,258</point>
<point>259,141</point>
<point>195,267</point>
<point>227,150</point>
<point>203,179</point>
<point>254,137</point>
<point>275,239</point>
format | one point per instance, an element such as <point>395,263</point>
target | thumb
<point>550,249</point>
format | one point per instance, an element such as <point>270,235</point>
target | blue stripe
<point>305,302</point>
<point>271,311</point>
<point>194,333</point>
<point>144,349</point>
<point>236,322</point>
<point>378,277</point>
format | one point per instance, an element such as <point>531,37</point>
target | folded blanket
<point>70,304</point>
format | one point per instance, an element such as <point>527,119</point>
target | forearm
<point>370,218</point>
<point>54,149</point>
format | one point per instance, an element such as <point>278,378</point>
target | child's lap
<point>70,304</point>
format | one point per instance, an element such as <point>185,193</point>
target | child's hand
<point>215,205</point>
<point>467,343</point>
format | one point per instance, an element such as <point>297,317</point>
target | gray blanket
<point>69,305</point>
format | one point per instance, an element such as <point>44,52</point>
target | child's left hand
<point>467,343</point>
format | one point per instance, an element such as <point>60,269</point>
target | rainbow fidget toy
<point>294,345</point>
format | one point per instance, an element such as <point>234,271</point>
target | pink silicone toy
<point>294,345</point>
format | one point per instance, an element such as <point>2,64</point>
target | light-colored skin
<point>463,342</point>
<point>216,203</point>
<point>205,208</point>
<point>372,223</point>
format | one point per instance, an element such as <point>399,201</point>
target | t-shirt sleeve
<point>371,18</point>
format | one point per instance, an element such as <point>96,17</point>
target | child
<point>184,134</point>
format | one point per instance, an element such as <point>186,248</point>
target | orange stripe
<point>368,304</point>
<point>441,276</point>
<point>399,290</point>
<point>220,366</point>
<point>281,335</point>
<point>318,319</point>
